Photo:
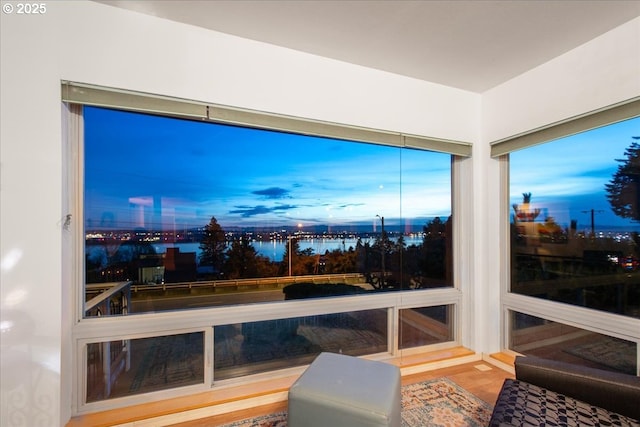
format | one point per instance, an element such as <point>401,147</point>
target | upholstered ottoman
<point>345,391</point>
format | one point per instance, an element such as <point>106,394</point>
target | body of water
<point>274,250</point>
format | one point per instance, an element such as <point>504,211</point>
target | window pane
<point>182,214</point>
<point>574,220</point>
<point>128,367</point>
<point>425,326</point>
<point>534,336</point>
<point>253,347</point>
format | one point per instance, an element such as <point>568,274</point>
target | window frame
<point>615,325</point>
<point>90,330</point>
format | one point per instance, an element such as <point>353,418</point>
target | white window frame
<point>144,325</point>
<point>615,325</point>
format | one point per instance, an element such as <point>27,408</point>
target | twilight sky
<point>567,177</point>
<point>151,172</point>
<point>144,170</point>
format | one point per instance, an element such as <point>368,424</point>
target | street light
<point>593,222</point>
<point>289,237</point>
<point>384,249</point>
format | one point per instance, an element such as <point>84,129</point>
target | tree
<point>623,191</point>
<point>434,249</point>
<point>242,260</point>
<point>213,245</point>
<point>340,262</point>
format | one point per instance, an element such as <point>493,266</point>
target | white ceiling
<point>473,45</point>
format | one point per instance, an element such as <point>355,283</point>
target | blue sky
<point>144,170</point>
<point>567,177</point>
<point>151,172</point>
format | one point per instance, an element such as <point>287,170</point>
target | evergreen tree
<point>340,262</point>
<point>242,260</point>
<point>433,249</point>
<point>623,191</point>
<point>213,246</point>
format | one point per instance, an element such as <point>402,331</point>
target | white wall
<point>97,44</point>
<point>600,73</point>
<point>597,74</point>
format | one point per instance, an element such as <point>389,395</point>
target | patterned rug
<point>617,354</point>
<point>439,402</point>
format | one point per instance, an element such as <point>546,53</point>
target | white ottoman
<point>345,391</point>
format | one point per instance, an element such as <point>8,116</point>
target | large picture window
<point>224,243</point>
<point>183,214</point>
<point>575,206</point>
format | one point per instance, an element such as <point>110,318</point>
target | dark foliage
<point>623,191</point>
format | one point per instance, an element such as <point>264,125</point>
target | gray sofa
<point>553,393</point>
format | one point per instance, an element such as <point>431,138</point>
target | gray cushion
<point>338,390</point>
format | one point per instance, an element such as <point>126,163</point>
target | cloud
<point>351,205</point>
<point>250,211</point>
<point>273,193</point>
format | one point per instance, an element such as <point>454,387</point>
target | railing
<point>347,278</point>
<point>108,358</point>
<point>104,303</point>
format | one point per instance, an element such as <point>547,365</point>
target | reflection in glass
<point>128,367</point>
<point>574,220</point>
<point>254,347</point>
<point>531,335</point>
<point>425,326</point>
<point>191,214</point>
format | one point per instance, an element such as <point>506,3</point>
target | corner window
<point>575,207</point>
<point>574,220</point>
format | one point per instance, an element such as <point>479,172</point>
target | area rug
<point>438,402</point>
<point>613,353</point>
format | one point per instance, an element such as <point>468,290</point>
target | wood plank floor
<point>479,378</point>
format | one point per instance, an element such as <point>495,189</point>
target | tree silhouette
<point>213,245</point>
<point>623,191</point>
<point>338,261</point>
<point>434,249</point>
<point>243,261</point>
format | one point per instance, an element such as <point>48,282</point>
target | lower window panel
<point>535,336</point>
<point>128,367</point>
<point>254,347</point>
<point>425,326</point>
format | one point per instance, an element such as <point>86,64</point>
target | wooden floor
<point>479,378</point>
<point>459,364</point>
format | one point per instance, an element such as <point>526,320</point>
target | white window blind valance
<point>77,93</point>
<point>595,119</point>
